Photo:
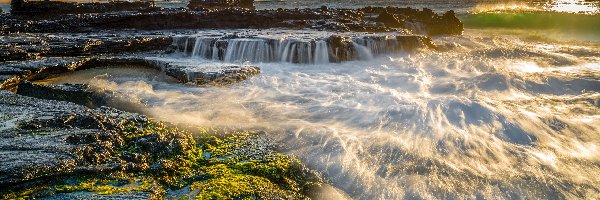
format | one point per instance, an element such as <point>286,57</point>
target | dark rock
<point>200,74</point>
<point>27,47</point>
<point>217,4</point>
<point>48,8</point>
<point>235,18</point>
<point>35,69</point>
<point>92,195</point>
<point>389,20</point>
<point>13,73</point>
<point>76,93</point>
<point>41,139</point>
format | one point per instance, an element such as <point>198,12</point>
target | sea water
<point>500,112</point>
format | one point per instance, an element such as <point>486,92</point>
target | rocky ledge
<point>42,8</point>
<point>13,73</point>
<point>60,150</point>
<point>34,57</point>
<point>407,20</point>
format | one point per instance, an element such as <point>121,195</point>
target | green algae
<point>235,174</point>
<point>213,166</point>
<point>108,187</point>
<point>227,183</point>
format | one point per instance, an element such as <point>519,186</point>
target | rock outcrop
<point>343,20</point>
<point>216,4</point>
<point>34,57</point>
<point>30,46</point>
<point>53,8</point>
<point>57,150</point>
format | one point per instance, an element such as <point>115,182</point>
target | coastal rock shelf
<point>31,46</point>
<point>56,149</point>
<point>11,73</point>
<point>369,19</point>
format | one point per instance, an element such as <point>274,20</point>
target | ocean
<point>508,110</point>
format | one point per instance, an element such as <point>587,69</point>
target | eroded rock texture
<point>60,150</point>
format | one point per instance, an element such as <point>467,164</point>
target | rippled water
<point>498,115</point>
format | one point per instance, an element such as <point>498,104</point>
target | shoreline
<point>60,141</point>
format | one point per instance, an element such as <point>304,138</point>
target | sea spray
<point>494,116</point>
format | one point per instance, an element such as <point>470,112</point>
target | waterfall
<point>321,52</point>
<point>203,47</point>
<point>289,50</point>
<point>364,53</point>
<point>253,50</point>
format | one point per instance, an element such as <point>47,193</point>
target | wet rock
<point>29,46</point>
<point>48,8</point>
<point>92,195</point>
<point>414,20</point>
<point>11,73</point>
<point>43,139</point>
<point>216,4</point>
<point>76,93</point>
<point>60,150</point>
<point>423,21</point>
<point>204,73</point>
<point>389,20</point>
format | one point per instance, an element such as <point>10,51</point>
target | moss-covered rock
<point>60,150</point>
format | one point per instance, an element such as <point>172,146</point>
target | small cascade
<point>203,47</point>
<point>290,50</point>
<point>363,52</point>
<point>321,52</point>
<point>249,49</point>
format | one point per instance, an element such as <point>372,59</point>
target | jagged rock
<point>43,139</point>
<point>216,4</point>
<point>60,150</point>
<point>13,73</point>
<point>24,47</point>
<point>46,8</point>
<point>418,21</point>
<point>76,93</point>
<point>389,20</point>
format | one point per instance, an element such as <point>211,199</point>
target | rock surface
<point>31,46</point>
<point>76,93</point>
<point>42,8</point>
<point>212,4</point>
<point>60,150</point>
<point>361,20</point>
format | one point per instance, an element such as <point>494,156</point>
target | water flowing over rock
<point>315,51</point>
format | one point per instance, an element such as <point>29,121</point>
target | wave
<point>493,118</point>
<point>543,20</point>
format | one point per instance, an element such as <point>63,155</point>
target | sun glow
<point>567,6</point>
<point>573,6</point>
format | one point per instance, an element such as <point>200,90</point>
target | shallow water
<point>497,115</point>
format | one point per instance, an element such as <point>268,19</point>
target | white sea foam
<point>492,117</point>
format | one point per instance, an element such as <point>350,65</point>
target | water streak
<point>494,117</point>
